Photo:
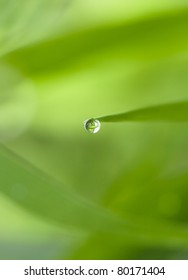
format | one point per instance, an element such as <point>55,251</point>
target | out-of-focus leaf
<point>144,39</point>
<point>17,103</point>
<point>25,22</point>
<point>134,246</point>
<point>149,199</point>
<point>176,112</point>
<point>49,199</point>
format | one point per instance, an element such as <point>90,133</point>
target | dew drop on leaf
<point>92,126</point>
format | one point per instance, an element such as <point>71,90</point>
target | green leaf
<point>145,39</point>
<point>43,196</point>
<point>26,22</point>
<point>17,103</point>
<point>175,112</point>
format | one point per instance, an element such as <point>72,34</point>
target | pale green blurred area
<point>109,57</point>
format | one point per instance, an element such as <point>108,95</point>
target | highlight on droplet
<point>92,125</point>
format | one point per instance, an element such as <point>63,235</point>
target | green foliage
<point>177,112</point>
<point>146,39</point>
<point>121,193</point>
<point>45,197</point>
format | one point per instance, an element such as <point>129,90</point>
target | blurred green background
<point>119,194</point>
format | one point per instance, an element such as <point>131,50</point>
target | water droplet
<point>92,125</point>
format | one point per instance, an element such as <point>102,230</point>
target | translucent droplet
<point>92,125</point>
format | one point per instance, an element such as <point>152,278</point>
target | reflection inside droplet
<point>92,125</point>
